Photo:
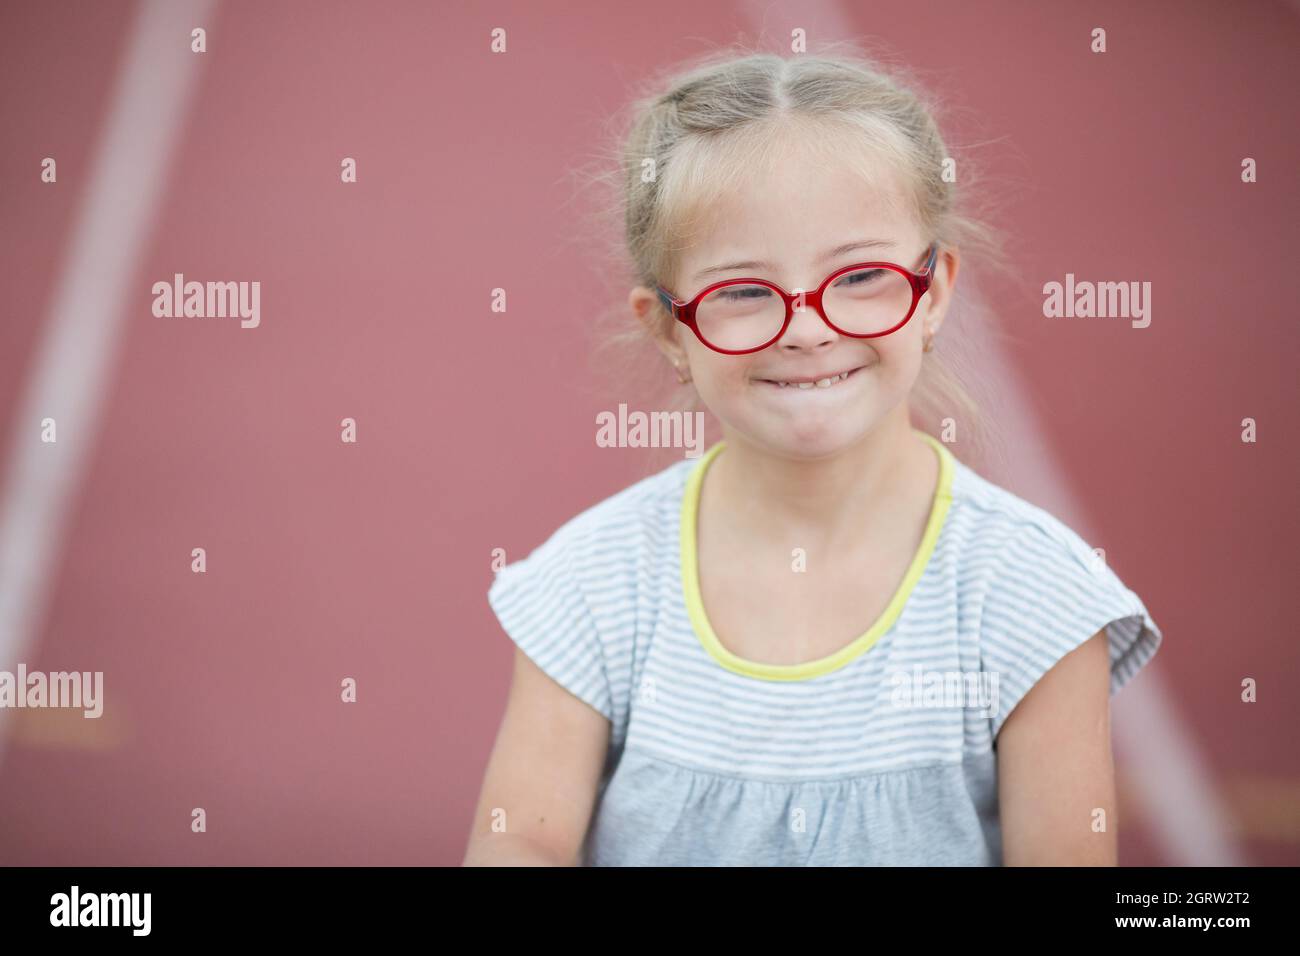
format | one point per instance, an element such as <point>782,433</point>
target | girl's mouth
<point>819,385</point>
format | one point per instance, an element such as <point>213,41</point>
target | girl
<point>826,641</point>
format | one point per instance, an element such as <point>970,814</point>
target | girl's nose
<point>807,329</point>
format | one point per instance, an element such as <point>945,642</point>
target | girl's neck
<point>832,503</point>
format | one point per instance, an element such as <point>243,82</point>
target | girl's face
<point>789,229</point>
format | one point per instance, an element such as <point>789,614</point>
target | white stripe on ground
<point>74,359</point>
<point>1179,801</point>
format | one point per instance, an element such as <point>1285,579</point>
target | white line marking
<point>76,354</point>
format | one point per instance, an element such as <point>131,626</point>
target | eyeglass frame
<point>684,311</point>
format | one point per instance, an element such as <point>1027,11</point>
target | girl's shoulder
<point>1005,545</point>
<point>615,523</point>
<point>572,602</point>
<point>996,515</point>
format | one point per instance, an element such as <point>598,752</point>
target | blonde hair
<point>701,130</point>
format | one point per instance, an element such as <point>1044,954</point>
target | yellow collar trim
<point>814,668</point>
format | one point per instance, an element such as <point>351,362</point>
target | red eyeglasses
<point>864,301</point>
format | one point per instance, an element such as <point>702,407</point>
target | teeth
<point>820,383</point>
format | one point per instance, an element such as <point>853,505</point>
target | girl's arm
<point>542,777</point>
<point>1055,769</point>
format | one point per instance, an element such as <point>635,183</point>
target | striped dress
<point>881,753</point>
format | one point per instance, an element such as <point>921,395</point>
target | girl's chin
<point>810,435</point>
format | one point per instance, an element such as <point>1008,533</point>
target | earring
<point>928,344</point>
<point>682,379</point>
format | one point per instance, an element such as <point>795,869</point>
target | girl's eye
<point>859,278</point>
<point>743,292</point>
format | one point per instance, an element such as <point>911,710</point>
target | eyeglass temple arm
<point>668,302</point>
<point>929,263</point>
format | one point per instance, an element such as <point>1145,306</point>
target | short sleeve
<point>542,608</point>
<point>1051,593</point>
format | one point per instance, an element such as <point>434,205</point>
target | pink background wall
<point>328,560</point>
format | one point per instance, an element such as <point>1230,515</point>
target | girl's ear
<point>940,295</point>
<point>648,309</point>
